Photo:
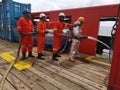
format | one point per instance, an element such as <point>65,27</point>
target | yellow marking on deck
<point>90,58</point>
<point>20,65</point>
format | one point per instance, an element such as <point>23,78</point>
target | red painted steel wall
<point>92,17</point>
<point>114,81</point>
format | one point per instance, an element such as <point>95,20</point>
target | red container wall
<point>114,81</point>
<point>92,17</point>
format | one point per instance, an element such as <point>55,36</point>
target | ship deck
<point>60,75</point>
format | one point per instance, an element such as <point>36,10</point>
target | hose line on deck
<point>10,67</point>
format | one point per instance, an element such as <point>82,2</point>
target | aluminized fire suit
<point>77,31</point>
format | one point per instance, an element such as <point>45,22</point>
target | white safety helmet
<point>61,14</point>
<point>42,15</point>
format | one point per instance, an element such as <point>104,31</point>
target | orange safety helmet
<point>81,19</point>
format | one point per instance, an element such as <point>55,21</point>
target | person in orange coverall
<point>58,29</point>
<point>25,26</point>
<point>41,29</point>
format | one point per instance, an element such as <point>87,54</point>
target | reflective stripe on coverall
<point>25,26</point>
<point>77,31</point>
<point>58,29</point>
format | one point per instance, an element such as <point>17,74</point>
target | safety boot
<point>57,55</point>
<point>23,56</point>
<point>30,55</point>
<point>54,57</point>
<point>72,60</point>
<point>40,56</point>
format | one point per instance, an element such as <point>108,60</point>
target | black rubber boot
<point>30,55</point>
<point>54,57</point>
<point>40,56</point>
<point>58,55</point>
<point>23,56</point>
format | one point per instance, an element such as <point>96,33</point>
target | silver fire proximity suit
<point>74,50</point>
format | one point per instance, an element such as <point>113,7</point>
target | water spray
<point>92,38</point>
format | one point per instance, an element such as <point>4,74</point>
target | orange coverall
<point>41,28</point>
<point>25,26</point>
<point>58,29</point>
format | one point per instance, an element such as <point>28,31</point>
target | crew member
<point>41,29</point>
<point>24,27</point>
<point>77,33</point>
<point>59,25</point>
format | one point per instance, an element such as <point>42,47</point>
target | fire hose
<point>11,65</point>
<point>70,37</point>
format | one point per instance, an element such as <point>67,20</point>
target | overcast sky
<point>47,5</point>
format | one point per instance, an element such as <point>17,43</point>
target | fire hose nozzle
<point>84,37</point>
